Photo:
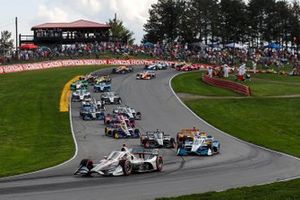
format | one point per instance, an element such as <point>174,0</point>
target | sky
<point>134,13</point>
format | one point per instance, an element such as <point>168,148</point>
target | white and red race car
<point>146,75</point>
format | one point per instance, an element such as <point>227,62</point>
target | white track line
<point>242,141</point>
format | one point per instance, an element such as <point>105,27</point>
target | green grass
<point>274,120</point>
<point>261,85</point>
<point>191,83</point>
<point>268,122</point>
<point>276,191</point>
<point>33,133</point>
<point>273,85</point>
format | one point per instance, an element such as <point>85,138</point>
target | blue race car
<point>200,144</point>
<point>102,87</point>
<point>91,113</point>
<point>121,130</point>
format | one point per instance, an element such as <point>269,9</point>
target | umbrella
<point>148,44</point>
<point>28,46</point>
<point>44,48</point>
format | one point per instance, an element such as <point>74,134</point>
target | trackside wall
<point>226,84</point>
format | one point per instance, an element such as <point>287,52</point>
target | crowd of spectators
<point>172,51</point>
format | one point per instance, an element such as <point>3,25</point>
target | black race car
<point>157,139</point>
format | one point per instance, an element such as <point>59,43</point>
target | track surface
<point>238,164</point>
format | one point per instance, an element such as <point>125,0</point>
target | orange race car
<point>188,133</point>
<point>146,75</point>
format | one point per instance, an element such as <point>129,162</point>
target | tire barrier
<point>226,84</point>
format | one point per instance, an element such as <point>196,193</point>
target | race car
<point>186,133</point>
<point>117,119</point>
<point>93,102</point>
<point>123,163</point>
<point>111,98</point>
<point>90,78</point>
<point>91,113</point>
<point>156,66</point>
<point>157,139</point>
<point>146,75</point>
<point>178,65</point>
<point>101,79</point>
<point>102,87</point>
<point>129,112</point>
<point>121,130</point>
<point>201,145</point>
<point>79,85</point>
<point>122,70</point>
<point>187,67</point>
<point>81,95</point>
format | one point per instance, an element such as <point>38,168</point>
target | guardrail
<point>226,84</point>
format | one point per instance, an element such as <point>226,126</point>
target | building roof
<point>72,25</point>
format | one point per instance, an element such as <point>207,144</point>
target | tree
<point>6,43</point>
<point>166,22</point>
<point>233,20</point>
<point>204,15</point>
<point>119,32</point>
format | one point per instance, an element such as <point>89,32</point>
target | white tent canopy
<point>236,46</point>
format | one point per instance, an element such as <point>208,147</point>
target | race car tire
<point>116,134</point>
<point>126,167</point>
<point>173,143</point>
<point>146,144</point>
<point>138,115</point>
<point>159,163</point>
<point>215,150</point>
<point>137,132</point>
<point>85,117</point>
<point>106,131</point>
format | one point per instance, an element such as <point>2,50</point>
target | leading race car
<point>201,144</point>
<point>111,98</point>
<point>146,75</point>
<point>157,66</point>
<point>102,87</point>
<point>122,70</point>
<point>124,162</point>
<point>81,95</point>
<point>129,112</point>
<point>157,139</point>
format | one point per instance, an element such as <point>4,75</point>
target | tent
<point>236,46</point>
<point>148,44</point>
<point>273,46</point>
<point>28,46</point>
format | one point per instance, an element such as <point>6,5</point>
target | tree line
<point>224,21</point>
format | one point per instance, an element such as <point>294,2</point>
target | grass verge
<point>275,191</point>
<point>268,122</point>
<point>34,134</point>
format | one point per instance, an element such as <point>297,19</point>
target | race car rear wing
<point>140,150</point>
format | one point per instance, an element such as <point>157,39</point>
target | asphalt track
<point>238,164</point>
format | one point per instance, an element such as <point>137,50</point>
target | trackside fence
<point>226,84</point>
